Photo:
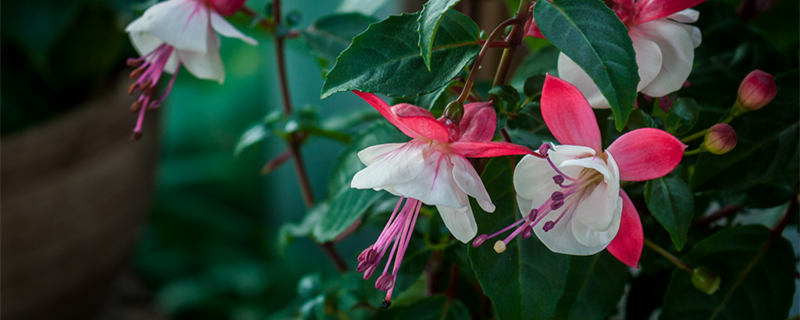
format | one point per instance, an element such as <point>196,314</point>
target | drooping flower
<point>663,40</point>
<point>430,169</point>
<point>571,199</point>
<point>174,33</point>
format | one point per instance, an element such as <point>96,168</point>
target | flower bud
<point>757,90</point>
<point>720,138</point>
<point>227,7</point>
<point>705,280</point>
<point>454,111</point>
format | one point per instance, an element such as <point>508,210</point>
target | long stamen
<point>149,69</point>
<point>397,234</point>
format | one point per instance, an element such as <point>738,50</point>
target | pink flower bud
<point>756,90</point>
<point>720,138</point>
<point>227,7</point>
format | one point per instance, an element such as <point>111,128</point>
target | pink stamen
<point>149,69</point>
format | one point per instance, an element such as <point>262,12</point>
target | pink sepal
<point>421,121</point>
<point>478,122</point>
<point>488,149</point>
<point>650,10</point>
<point>568,115</point>
<point>627,245</point>
<point>645,154</point>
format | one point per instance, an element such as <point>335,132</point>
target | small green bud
<point>454,111</point>
<point>705,280</point>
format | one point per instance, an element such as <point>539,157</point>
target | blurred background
<point>175,225</point>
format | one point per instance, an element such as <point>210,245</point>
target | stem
<point>695,135</point>
<point>473,72</point>
<point>695,151</point>
<point>719,214</point>
<point>668,256</point>
<point>294,146</point>
<point>515,39</point>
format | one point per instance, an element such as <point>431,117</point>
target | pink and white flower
<point>571,198</point>
<point>174,33</point>
<point>663,40</point>
<point>430,169</point>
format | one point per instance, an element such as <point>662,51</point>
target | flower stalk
<point>664,253</point>
<point>293,141</point>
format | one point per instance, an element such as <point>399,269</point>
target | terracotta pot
<point>75,193</point>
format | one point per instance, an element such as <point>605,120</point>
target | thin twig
<point>294,146</point>
<point>474,71</point>
<point>719,214</point>
<point>514,38</point>
<point>658,249</point>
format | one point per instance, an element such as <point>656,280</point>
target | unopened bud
<point>720,138</point>
<point>705,280</point>
<point>454,111</point>
<point>227,7</point>
<point>756,90</point>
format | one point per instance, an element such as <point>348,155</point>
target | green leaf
<point>594,287</point>
<point>380,60</point>
<point>428,23</point>
<point>539,62</point>
<point>505,96</point>
<point>526,280</point>
<point>672,203</point>
<point>757,282</point>
<point>533,87</point>
<point>682,116</point>
<point>330,35</point>
<point>251,136</point>
<point>590,34</point>
<point>430,308</point>
<point>347,204</point>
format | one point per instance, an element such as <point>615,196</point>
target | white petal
<point>685,16</point>
<point>533,177</point>
<point>433,184</point>
<point>572,73</point>
<point>144,42</point>
<point>596,219</point>
<point>459,221</point>
<point>677,51</point>
<point>181,23</point>
<point>470,182</point>
<point>224,28</point>
<point>205,65</point>
<point>399,166</point>
<point>371,154</point>
<point>648,58</point>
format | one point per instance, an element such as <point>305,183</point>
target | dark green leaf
<point>533,87</point>
<point>757,283</point>
<point>380,60</point>
<point>505,97</point>
<point>672,203</point>
<point>428,23</point>
<point>539,62</point>
<point>591,35</point>
<point>681,116</point>
<point>640,119</point>
<point>330,35</point>
<point>431,308</point>
<point>347,204</point>
<point>526,280</point>
<point>594,287</point>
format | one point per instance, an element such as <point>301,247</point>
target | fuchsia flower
<point>571,198</point>
<point>663,41</point>
<point>432,169</point>
<point>174,33</point>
